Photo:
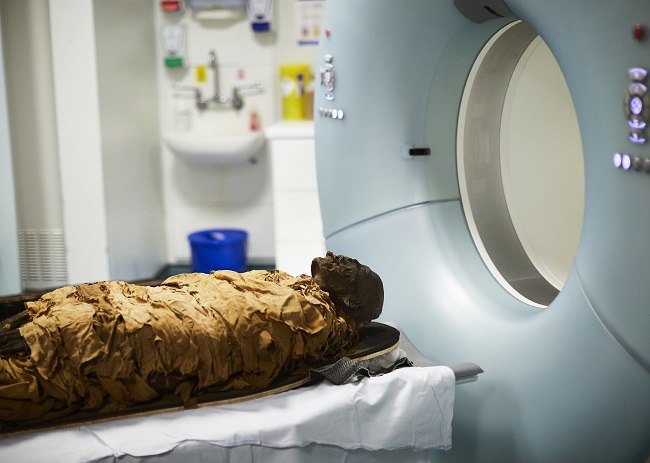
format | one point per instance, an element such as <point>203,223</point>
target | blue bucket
<point>218,249</point>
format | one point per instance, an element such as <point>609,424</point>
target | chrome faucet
<point>235,101</point>
<point>212,63</point>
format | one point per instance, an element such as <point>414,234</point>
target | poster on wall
<point>308,17</point>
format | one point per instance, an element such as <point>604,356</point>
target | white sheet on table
<point>408,408</point>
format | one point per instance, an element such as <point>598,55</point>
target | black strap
<point>346,369</point>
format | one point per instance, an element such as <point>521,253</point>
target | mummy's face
<point>353,287</point>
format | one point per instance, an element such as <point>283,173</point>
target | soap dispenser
<point>259,14</point>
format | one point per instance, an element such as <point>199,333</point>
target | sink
<point>215,149</point>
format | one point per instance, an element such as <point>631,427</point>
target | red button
<point>638,32</point>
<point>170,5</point>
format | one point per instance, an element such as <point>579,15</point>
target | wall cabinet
<point>297,218</point>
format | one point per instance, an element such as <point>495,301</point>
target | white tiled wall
<point>238,196</point>
<point>127,202</point>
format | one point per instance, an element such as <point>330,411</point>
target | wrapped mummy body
<point>108,345</point>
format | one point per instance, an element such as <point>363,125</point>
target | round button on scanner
<point>617,159</point>
<point>327,77</point>
<point>637,88</point>
<point>327,74</point>
<point>637,138</point>
<point>636,105</point>
<point>626,162</point>
<point>637,74</point>
<point>636,124</point>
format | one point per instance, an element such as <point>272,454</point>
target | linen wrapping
<point>107,345</point>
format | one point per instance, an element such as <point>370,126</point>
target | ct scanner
<point>414,123</point>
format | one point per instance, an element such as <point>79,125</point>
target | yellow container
<point>294,80</point>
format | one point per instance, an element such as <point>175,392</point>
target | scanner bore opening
<point>520,165</point>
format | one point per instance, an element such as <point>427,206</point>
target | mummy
<point>106,346</point>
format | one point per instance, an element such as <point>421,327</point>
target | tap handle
<point>256,86</point>
<point>200,102</point>
<point>187,88</point>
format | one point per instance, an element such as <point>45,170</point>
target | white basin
<point>213,149</point>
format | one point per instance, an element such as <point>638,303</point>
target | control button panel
<point>628,162</point>
<point>328,82</point>
<point>331,113</point>
<point>328,77</point>
<point>637,113</point>
<point>637,105</point>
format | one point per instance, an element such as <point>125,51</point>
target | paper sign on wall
<point>308,17</point>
